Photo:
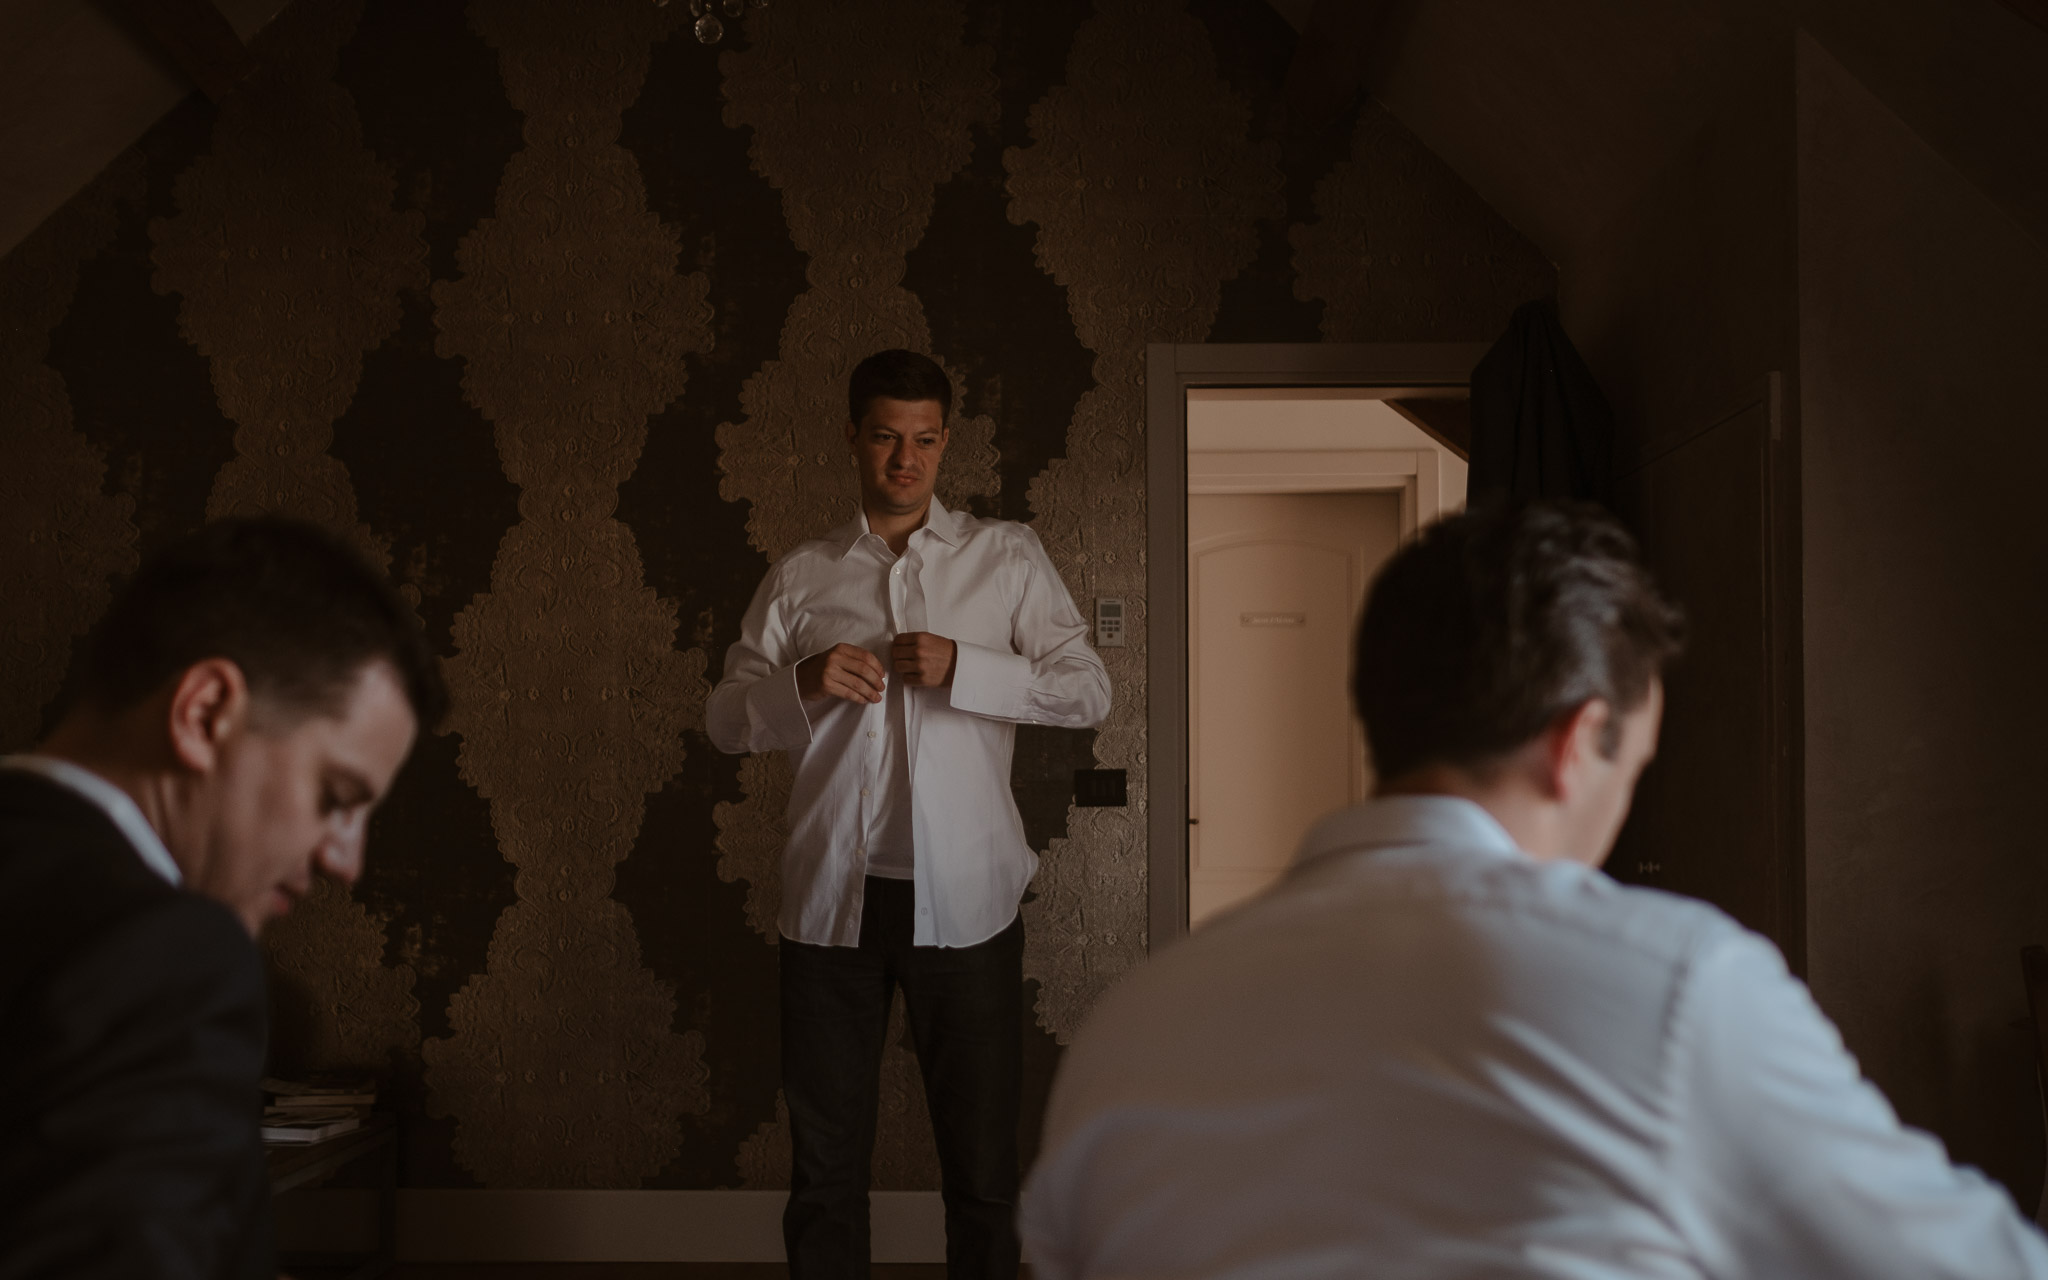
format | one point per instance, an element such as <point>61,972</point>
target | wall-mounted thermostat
<point>1109,624</point>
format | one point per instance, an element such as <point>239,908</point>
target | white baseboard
<point>640,1226</point>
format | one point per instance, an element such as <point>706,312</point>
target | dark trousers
<point>965,1007</point>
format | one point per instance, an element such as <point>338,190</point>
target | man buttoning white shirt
<point>1447,1045</point>
<point>892,660</point>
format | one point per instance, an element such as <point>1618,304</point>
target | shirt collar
<point>947,526</point>
<point>119,807</point>
<point>942,524</point>
<point>1409,820</point>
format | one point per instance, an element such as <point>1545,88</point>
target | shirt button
<point>871,733</point>
<point>863,790</point>
<point>924,911</point>
<point>861,852</point>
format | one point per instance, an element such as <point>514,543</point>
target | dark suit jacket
<point>131,1040</point>
<point>1540,426</point>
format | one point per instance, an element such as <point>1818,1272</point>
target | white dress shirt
<point>117,804</point>
<point>1428,1054</point>
<point>1022,658</point>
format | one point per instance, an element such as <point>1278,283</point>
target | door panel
<point>1703,821</point>
<point>1275,582</point>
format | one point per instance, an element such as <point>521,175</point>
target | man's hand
<point>922,660</point>
<point>843,671</point>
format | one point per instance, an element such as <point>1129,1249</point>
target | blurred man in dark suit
<point>243,707</point>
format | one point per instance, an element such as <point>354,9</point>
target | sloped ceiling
<point>1551,109</point>
<point>1558,112</point>
<point>1969,76</point>
<point>79,82</point>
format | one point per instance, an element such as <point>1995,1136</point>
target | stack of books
<point>296,1112</point>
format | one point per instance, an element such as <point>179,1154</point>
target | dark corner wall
<point>1823,326</point>
<point>1923,322</point>
<point>550,307</point>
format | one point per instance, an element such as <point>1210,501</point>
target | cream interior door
<point>1275,584</point>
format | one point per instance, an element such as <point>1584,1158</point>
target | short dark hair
<point>1493,623</point>
<point>897,374</point>
<point>297,609</point>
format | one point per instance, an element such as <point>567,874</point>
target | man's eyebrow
<point>350,787</point>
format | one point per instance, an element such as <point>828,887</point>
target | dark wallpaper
<point>292,302</point>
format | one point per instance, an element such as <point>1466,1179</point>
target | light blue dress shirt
<point>1428,1054</point>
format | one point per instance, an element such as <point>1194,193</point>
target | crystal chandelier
<point>709,28</point>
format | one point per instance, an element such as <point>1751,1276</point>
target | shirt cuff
<point>775,711</point>
<point>989,682</point>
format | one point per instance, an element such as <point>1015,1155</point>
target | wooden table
<point>294,1168</point>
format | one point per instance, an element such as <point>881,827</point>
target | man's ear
<point>209,704</point>
<point>1571,740</point>
<point>852,432</point>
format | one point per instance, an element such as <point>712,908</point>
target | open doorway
<point>1284,476</point>
<point>1296,497</point>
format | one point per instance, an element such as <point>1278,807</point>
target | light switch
<point>1109,623</point>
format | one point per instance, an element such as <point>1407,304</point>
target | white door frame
<point>1415,474</point>
<point>1171,370</point>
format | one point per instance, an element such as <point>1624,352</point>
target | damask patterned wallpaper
<point>549,308</point>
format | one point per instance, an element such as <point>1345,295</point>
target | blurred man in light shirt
<point>1447,1045</point>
